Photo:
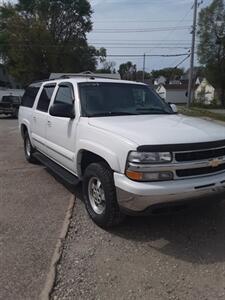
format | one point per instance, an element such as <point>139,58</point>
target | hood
<point>161,129</point>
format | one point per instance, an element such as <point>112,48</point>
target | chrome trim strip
<point>174,166</point>
<point>200,150</point>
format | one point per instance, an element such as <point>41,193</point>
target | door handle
<point>49,123</point>
<point>35,119</point>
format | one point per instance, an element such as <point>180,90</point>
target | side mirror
<point>62,110</point>
<point>174,107</point>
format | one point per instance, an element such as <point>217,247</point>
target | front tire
<point>100,196</point>
<point>28,149</point>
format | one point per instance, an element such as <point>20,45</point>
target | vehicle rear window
<point>29,96</point>
<point>45,98</point>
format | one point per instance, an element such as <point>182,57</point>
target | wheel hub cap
<point>96,195</point>
<point>28,147</point>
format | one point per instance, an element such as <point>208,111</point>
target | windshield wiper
<point>153,111</point>
<point>112,113</point>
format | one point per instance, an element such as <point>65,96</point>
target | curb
<point>51,276</point>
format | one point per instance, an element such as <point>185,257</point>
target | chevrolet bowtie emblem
<point>215,162</point>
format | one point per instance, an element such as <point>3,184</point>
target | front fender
<point>108,155</point>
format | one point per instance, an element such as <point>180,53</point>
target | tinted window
<point>29,96</point>
<point>45,98</point>
<point>64,95</point>
<point>11,99</point>
<point>108,99</point>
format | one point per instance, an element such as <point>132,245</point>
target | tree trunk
<point>222,97</point>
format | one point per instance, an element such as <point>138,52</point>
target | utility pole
<point>143,75</point>
<point>190,83</point>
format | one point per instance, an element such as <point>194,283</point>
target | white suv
<point>132,152</point>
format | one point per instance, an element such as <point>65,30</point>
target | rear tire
<point>100,196</point>
<point>28,149</point>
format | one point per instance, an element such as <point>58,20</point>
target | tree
<point>169,73</point>
<point>139,75</point>
<point>211,48</point>
<point>127,70</point>
<point>108,67</point>
<point>38,37</point>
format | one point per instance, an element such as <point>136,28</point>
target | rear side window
<point>45,98</point>
<point>29,96</point>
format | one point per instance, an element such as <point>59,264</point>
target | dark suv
<point>10,105</point>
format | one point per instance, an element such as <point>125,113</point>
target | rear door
<point>61,132</point>
<point>40,114</point>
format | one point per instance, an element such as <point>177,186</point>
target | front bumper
<point>138,196</point>
<point>7,110</point>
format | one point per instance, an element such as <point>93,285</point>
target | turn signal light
<point>134,175</point>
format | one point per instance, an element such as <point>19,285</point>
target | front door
<point>61,132</point>
<point>39,121</point>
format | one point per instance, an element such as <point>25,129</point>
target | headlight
<point>149,157</point>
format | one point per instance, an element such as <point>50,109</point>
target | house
<point>160,80</point>
<point>174,93</point>
<point>205,92</point>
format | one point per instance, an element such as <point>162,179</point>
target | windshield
<point>114,99</point>
<point>11,99</point>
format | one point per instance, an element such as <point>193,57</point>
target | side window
<point>29,96</point>
<point>45,98</point>
<point>64,95</point>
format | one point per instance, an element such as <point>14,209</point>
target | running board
<point>57,169</point>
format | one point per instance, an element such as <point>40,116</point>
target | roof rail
<point>86,74</point>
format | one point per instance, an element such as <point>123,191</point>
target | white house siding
<point>161,91</point>
<point>207,89</point>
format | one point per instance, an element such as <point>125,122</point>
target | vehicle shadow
<point>195,235</point>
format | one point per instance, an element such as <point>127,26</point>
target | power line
<point>159,29</point>
<point>145,47</point>
<point>136,21</point>
<point>140,44</point>
<point>183,60</point>
<point>180,21</point>
<point>145,40</point>
<point>147,55</point>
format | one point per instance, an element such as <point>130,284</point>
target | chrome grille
<point>204,162</point>
<point>199,155</point>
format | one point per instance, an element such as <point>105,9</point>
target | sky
<point>135,27</point>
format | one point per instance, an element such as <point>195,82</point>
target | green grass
<point>200,112</point>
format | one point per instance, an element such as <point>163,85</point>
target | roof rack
<point>86,74</point>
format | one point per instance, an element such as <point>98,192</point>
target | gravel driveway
<point>176,256</point>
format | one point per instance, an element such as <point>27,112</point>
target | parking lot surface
<point>174,256</point>
<point>32,209</point>
<point>177,256</point>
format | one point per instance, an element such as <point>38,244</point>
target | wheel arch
<point>23,129</point>
<point>86,157</point>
